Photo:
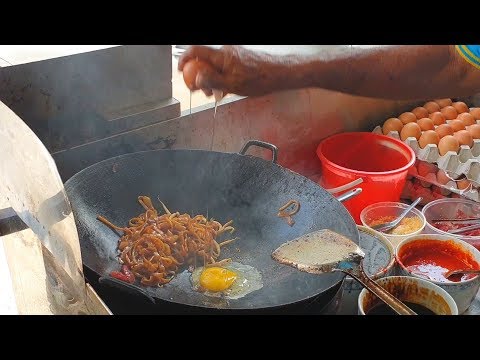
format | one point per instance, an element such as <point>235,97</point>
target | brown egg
<point>437,118</point>
<point>428,137</point>
<point>463,184</point>
<point>410,130</point>
<point>474,130</point>
<point>431,106</point>
<point>392,124</point>
<point>448,143</point>
<point>449,112</point>
<point>475,112</point>
<point>420,112</point>
<point>426,124</point>
<point>444,130</point>
<point>466,118</point>
<point>443,102</point>
<point>461,107</point>
<point>407,117</point>
<point>464,137</point>
<point>442,177</point>
<point>457,125</point>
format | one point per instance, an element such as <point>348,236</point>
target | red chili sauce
<point>432,259</point>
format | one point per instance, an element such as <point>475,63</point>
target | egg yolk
<point>217,279</point>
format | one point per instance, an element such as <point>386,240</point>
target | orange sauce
<point>432,259</point>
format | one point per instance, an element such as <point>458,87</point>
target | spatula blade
<point>319,252</point>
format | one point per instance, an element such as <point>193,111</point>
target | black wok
<point>224,186</point>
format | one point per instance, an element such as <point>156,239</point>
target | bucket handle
<point>345,187</point>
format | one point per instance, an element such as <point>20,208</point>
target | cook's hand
<point>234,70</point>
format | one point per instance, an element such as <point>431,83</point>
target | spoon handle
<point>408,209</point>
<point>396,305</point>
<point>466,271</point>
<point>398,219</point>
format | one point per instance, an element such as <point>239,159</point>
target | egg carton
<point>448,190</point>
<point>466,162</point>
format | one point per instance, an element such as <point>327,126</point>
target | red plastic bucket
<point>381,161</point>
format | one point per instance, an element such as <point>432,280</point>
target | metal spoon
<point>465,271</point>
<point>391,224</point>
<point>326,251</point>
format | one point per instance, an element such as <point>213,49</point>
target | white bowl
<point>463,292</point>
<point>411,289</point>
<point>377,210</point>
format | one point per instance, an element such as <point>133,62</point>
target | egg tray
<point>446,191</point>
<point>466,162</point>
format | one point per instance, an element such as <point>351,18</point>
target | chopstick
<point>460,221</point>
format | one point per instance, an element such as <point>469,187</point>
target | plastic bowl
<point>447,209</point>
<point>378,210</point>
<point>381,161</point>
<point>464,291</point>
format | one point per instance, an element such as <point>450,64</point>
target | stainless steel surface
<point>33,188</point>
<point>71,100</point>
<point>391,224</point>
<point>349,195</point>
<point>295,121</point>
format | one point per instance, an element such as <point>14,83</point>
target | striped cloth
<point>471,53</point>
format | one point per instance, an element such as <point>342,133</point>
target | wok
<point>225,186</point>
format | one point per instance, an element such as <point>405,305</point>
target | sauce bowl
<point>429,256</point>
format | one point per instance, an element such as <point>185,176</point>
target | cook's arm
<point>393,72</point>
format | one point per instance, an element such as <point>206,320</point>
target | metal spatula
<point>325,251</point>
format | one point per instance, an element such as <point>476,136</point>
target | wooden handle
<point>394,303</point>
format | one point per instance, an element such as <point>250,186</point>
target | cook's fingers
<point>207,92</point>
<point>208,78</point>
<point>205,53</point>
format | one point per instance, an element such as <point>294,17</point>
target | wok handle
<point>261,144</point>
<point>122,285</point>
<point>396,305</point>
<point>10,222</point>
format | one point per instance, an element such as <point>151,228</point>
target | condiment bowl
<point>410,290</point>
<point>430,256</point>
<point>388,211</point>
<point>449,209</point>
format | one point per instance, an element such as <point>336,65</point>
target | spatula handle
<point>396,305</point>
<point>10,222</point>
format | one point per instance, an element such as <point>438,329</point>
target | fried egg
<point>231,281</point>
